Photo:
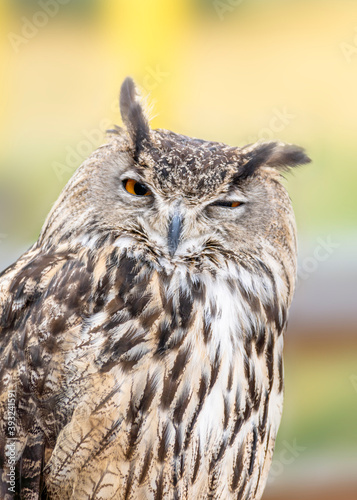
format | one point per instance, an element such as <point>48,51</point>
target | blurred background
<point>229,70</point>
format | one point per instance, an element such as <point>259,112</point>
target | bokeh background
<point>228,70</point>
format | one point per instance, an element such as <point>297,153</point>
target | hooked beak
<point>174,235</point>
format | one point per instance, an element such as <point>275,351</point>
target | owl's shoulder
<point>35,281</point>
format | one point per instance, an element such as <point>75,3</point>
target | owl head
<point>177,197</point>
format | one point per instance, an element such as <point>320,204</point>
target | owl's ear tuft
<point>132,114</point>
<point>271,154</point>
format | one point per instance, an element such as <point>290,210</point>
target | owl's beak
<point>174,234</point>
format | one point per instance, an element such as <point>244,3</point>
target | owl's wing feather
<point>42,297</point>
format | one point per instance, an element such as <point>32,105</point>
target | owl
<point>142,334</point>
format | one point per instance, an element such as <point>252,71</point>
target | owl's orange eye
<point>134,187</point>
<point>229,204</point>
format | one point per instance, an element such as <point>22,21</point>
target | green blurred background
<point>228,70</point>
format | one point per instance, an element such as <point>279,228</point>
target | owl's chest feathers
<point>182,368</point>
<point>196,336</point>
<point>185,322</point>
<point>211,351</point>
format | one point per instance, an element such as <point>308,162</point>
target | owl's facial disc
<point>177,225</point>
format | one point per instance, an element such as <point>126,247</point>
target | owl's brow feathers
<point>253,156</point>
